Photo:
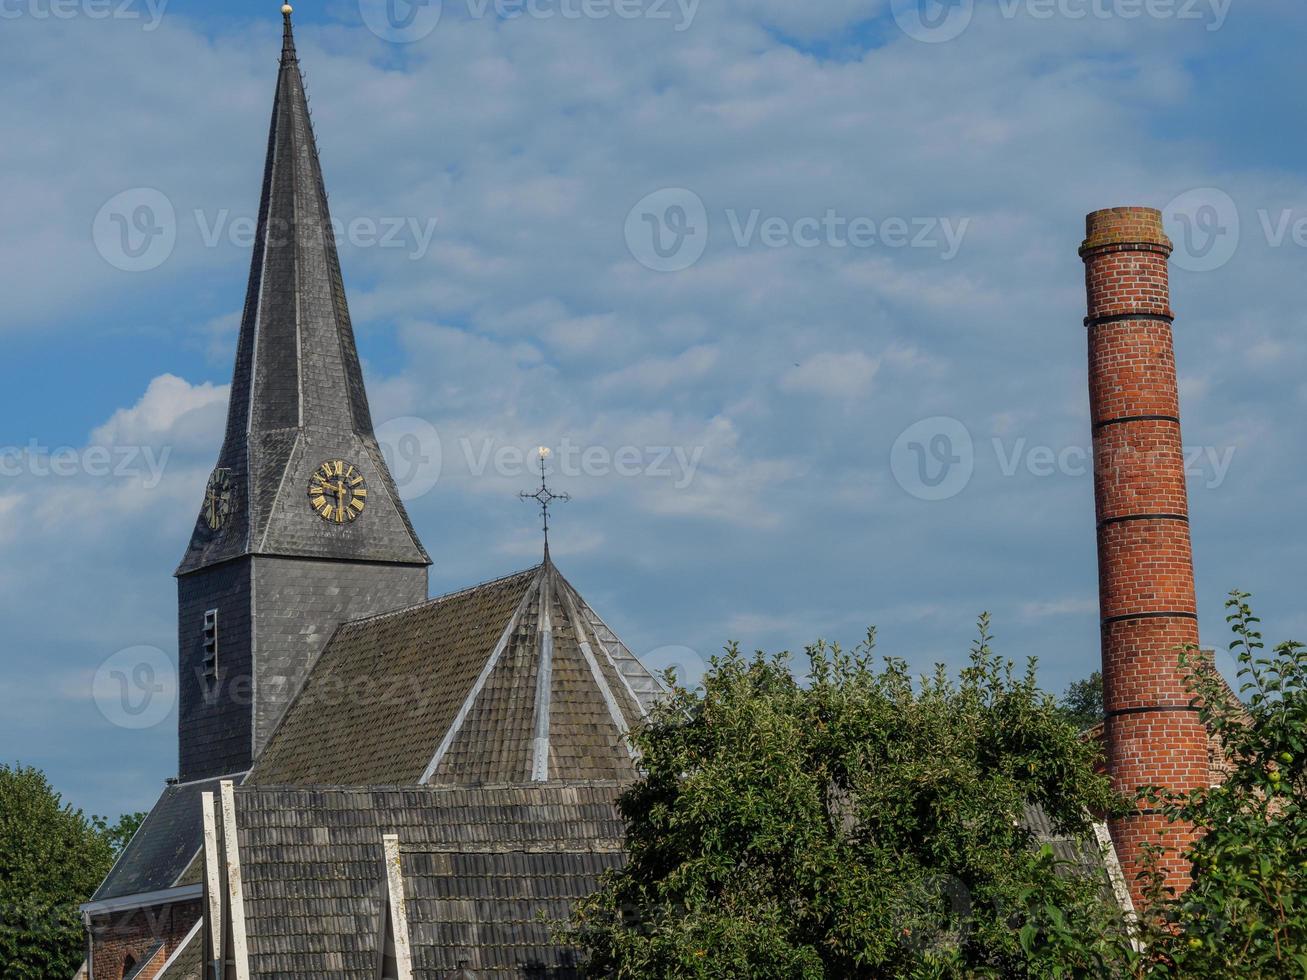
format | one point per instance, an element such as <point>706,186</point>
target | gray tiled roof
<point>297,395</point>
<point>486,870</point>
<point>189,963</point>
<point>451,691</point>
<point>1077,854</point>
<point>160,851</point>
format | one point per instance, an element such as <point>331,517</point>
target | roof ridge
<point>431,788</point>
<point>436,600</point>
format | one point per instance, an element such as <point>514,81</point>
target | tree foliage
<point>52,857</point>
<point>1082,702</point>
<point>856,824</point>
<point>1246,913</point>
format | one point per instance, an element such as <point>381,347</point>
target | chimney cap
<point>1128,226</point>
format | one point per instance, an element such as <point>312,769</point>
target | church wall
<point>214,722</point>
<point>298,605</point>
<point>122,934</point>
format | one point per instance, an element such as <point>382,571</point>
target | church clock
<point>217,499</point>
<point>337,492</point>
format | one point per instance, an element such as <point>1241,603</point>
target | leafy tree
<point>855,824</point>
<point>1246,913</point>
<point>52,857</point>
<point>119,834</point>
<point>1082,702</point>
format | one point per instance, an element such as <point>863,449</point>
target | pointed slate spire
<point>297,396</point>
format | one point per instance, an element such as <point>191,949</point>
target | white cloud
<point>171,409</point>
<point>656,374</point>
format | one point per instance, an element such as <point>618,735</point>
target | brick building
<point>376,784</point>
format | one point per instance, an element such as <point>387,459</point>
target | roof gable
<point>507,682</point>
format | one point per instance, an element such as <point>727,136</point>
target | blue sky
<point>868,238</point>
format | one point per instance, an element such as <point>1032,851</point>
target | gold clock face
<point>217,499</point>
<point>338,492</point>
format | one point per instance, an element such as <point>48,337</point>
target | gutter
<point>143,900</point>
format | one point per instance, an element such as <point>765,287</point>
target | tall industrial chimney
<point>1145,564</point>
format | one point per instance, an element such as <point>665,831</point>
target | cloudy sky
<point>792,289</point>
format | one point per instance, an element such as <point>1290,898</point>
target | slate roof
<point>188,964</point>
<point>297,394</point>
<point>164,845</point>
<point>485,871</point>
<point>514,680</point>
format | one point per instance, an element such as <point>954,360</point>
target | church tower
<point>301,527</point>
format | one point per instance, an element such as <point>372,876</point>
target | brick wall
<point>119,935</point>
<point>1146,588</point>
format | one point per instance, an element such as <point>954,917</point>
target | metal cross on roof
<point>544,496</point>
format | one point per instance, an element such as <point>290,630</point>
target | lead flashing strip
<point>175,955</point>
<point>235,888</point>
<point>143,900</point>
<point>544,687</point>
<point>212,876</point>
<point>398,908</point>
<point>614,711</point>
<point>480,682</point>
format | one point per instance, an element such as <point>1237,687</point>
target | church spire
<point>298,400</point>
<point>287,38</point>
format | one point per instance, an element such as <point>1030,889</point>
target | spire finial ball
<point>287,9</point>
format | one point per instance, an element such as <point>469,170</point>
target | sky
<point>791,289</point>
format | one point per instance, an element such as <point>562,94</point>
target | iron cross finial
<point>544,496</point>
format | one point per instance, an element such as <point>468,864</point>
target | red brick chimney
<point>1145,565</point>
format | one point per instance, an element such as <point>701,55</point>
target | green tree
<point>855,824</point>
<point>1082,702</point>
<point>1246,913</point>
<point>119,834</point>
<point>52,857</point>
